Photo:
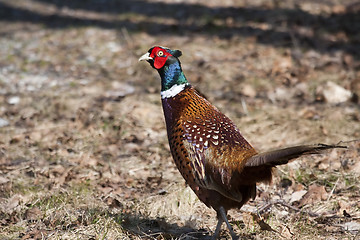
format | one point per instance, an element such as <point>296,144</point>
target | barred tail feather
<point>283,156</point>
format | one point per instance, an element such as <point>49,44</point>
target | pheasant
<point>216,161</point>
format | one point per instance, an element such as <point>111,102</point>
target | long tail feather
<point>283,156</point>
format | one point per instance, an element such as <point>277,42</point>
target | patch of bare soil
<point>83,146</point>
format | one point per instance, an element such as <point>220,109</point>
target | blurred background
<point>83,145</point>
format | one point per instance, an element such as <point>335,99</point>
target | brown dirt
<point>83,148</point>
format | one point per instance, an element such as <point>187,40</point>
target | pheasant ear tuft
<point>177,53</point>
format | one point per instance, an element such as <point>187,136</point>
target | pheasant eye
<point>160,54</point>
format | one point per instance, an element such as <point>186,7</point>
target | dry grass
<point>84,153</point>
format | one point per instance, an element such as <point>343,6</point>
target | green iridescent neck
<point>171,75</point>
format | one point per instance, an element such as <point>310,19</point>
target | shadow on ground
<point>153,228</point>
<point>284,26</point>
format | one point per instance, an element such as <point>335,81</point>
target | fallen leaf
<point>315,193</point>
<point>113,202</point>
<point>33,213</point>
<point>297,196</point>
<point>286,232</point>
<point>263,225</point>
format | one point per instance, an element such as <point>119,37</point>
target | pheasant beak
<point>146,57</point>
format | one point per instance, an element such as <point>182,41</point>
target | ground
<point>83,147</point>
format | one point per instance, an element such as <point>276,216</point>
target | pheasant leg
<point>223,218</point>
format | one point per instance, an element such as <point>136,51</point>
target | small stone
<point>351,226</point>
<point>248,91</point>
<point>4,122</point>
<point>13,100</point>
<point>334,93</point>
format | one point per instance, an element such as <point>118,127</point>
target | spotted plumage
<point>219,165</point>
<point>200,145</point>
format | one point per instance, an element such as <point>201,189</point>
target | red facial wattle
<point>160,62</point>
<point>160,56</point>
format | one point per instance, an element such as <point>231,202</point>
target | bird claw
<point>223,218</point>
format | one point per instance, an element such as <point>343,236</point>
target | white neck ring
<point>173,91</point>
